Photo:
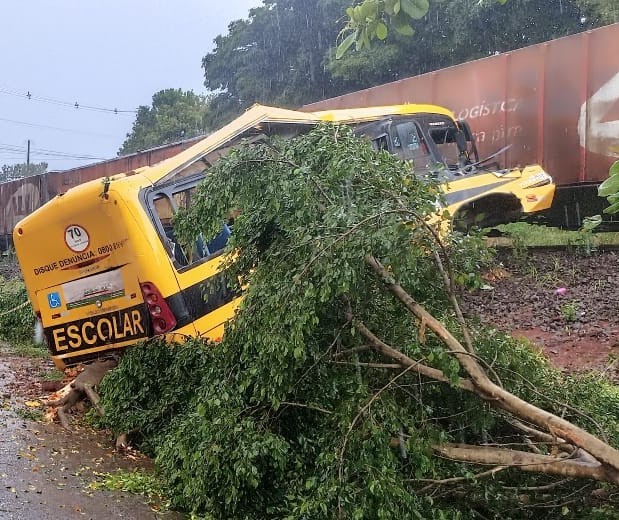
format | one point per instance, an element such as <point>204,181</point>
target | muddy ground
<point>563,301</point>
<point>45,471</point>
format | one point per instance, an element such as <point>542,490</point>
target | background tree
<point>370,20</point>
<point>173,116</point>
<point>274,57</point>
<point>18,171</point>
<point>606,10</point>
<point>284,52</point>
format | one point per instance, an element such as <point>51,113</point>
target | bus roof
<point>353,115</point>
<point>262,114</point>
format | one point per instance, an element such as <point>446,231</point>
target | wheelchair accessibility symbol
<point>54,300</point>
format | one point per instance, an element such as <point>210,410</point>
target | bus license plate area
<point>121,326</point>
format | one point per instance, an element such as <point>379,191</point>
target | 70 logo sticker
<point>76,238</point>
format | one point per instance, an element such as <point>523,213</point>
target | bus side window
<point>184,199</point>
<point>165,204</point>
<point>380,143</point>
<point>165,211</point>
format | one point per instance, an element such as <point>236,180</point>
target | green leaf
<point>345,45</point>
<point>358,13</point>
<point>381,31</point>
<point>590,223</point>
<point>612,209</point>
<point>614,169</point>
<point>401,26</point>
<point>416,9</point>
<point>365,10</point>
<point>609,186</point>
<point>390,6</point>
<point>366,38</point>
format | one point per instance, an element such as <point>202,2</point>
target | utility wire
<point>35,159</point>
<point>76,105</point>
<point>46,153</point>
<point>35,125</point>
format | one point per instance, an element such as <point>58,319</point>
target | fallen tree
<point>350,385</point>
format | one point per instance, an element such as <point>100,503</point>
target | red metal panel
<point>564,66</point>
<point>18,199</point>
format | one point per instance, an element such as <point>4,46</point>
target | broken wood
<point>83,386</point>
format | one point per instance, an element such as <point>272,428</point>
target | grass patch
<point>53,375</point>
<point>27,349</point>
<point>137,482</point>
<point>29,414</point>
<point>532,235</point>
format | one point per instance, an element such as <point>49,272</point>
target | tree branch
<point>390,366</point>
<point>500,398</point>
<point>478,376</point>
<point>531,462</point>
<point>404,360</point>
<point>456,480</point>
<point>309,406</point>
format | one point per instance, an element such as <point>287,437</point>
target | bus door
<point>204,302</point>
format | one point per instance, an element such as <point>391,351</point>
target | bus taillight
<point>162,317</point>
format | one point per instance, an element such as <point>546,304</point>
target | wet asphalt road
<point>45,471</point>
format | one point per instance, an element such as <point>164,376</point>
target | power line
<point>36,125</point>
<point>43,152</point>
<point>50,159</point>
<point>22,159</point>
<point>67,104</point>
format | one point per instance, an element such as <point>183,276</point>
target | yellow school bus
<point>102,266</point>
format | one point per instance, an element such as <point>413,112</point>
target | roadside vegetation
<point>136,482</point>
<point>348,385</point>
<point>16,315</point>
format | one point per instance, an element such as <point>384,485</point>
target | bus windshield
<point>443,135</point>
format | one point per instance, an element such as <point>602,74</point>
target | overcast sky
<point>112,54</point>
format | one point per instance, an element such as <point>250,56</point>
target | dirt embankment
<point>565,302</point>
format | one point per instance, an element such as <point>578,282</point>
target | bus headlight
<point>541,178</point>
